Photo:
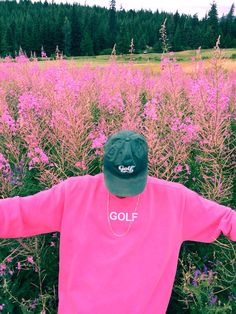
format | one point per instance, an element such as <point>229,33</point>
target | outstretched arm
<point>32,215</point>
<point>204,220</point>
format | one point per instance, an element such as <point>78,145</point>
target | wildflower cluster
<point>54,121</point>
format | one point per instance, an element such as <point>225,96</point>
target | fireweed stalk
<point>54,120</point>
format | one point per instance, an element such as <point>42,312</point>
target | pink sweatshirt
<point>100,272</point>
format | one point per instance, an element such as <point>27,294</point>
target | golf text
<point>123,216</point>
<point>128,169</point>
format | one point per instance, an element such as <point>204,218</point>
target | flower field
<point>54,121</point>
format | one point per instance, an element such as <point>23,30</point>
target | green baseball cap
<point>125,163</point>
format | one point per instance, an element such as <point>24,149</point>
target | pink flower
<point>3,266</point>
<point>30,154</point>
<point>165,60</point>
<point>2,306</point>
<point>44,158</point>
<point>204,141</point>
<point>81,164</point>
<point>174,127</point>
<point>187,168</point>
<point>150,109</point>
<point>37,156</point>
<point>198,159</point>
<point>22,59</point>
<point>98,152</point>
<point>99,141</point>
<point>178,168</point>
<point>38,150</point>
<point>188,120</point>
<point>35,160</point>
<point>111,102</point>
<point>19,265</point>
<point>6,117</point>
<point>30,259</point>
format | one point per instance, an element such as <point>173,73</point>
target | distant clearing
<point>153,59</point>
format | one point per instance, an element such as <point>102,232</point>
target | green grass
<point>154,57</point>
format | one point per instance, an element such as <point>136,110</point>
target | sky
<point>201,7</point>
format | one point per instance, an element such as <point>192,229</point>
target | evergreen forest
<point>81,30</point>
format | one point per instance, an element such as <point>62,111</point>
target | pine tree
<point>67,36</point>
<point>76,32</point>
<point>195,42</point>
<point>212,25</point>
<point>141,43</point>
<point>227,28</point>
<point>27,35</point>
<point>4,47</point>
<point>178,39</point>
<point>86,47</point>
<point>11,38</point>
<point>94,26</point>
<point>112,23</point>
<point>102,35</point>
<point>123,40</point>
<point>36,38</point>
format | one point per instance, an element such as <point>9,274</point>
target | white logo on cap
<point>128,169</point>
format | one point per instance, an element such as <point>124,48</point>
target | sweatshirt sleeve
<point>32,215</point>
<point>204,220</point>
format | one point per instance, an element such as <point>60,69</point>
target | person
<point>121,231</point>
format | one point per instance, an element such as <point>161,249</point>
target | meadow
<point>55,117</point>
<point>153,60</point>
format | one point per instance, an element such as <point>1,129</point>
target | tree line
<point>82,30</point>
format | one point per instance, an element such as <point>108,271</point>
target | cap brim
<point>125,186</point>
